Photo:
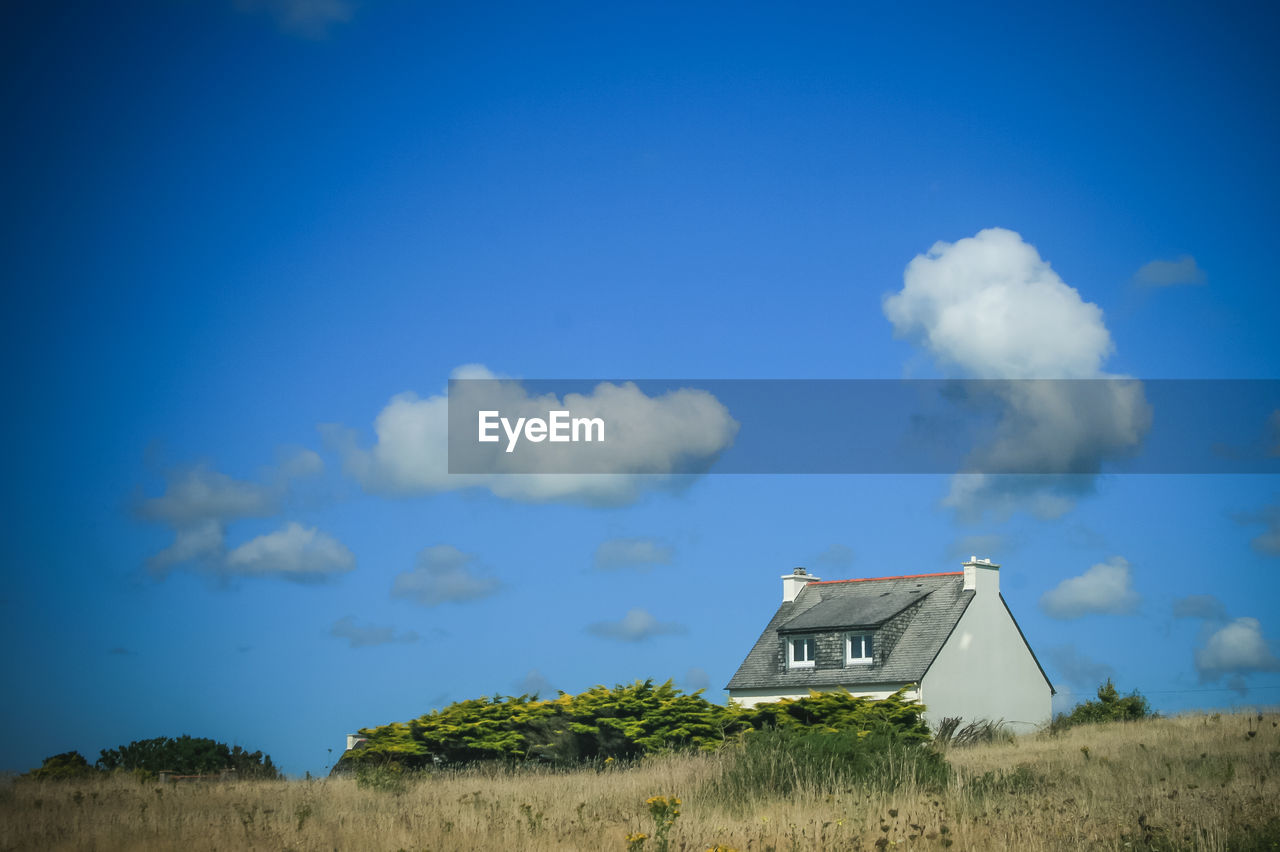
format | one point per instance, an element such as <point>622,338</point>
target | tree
<point>62,767</point>
<point>625,721</point>
<point>1110,706</point>
<point>187,755</point>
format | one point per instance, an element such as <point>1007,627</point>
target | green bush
<point>625,722</point>
<point>187,755</point>
<point>144,759</point>
<point>1110,706</point>
<point>69,765</point>
<point>841,711</point>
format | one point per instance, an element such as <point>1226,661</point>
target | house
<point>949,637</point>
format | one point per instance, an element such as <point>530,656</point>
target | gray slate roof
<point>853,604</point>
<point>840,612</point>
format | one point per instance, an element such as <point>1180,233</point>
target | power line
<point>1216,689</point>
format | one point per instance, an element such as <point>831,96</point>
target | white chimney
<point>982,576</point>
<point>795,581</point>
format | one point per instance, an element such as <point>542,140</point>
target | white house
<point>950,637</point>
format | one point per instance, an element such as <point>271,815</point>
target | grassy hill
<point>1187,782</point>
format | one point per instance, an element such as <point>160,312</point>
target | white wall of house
<point>877,691</point>
<point>985,670</point>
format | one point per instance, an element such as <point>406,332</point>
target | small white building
<point>950,637</point>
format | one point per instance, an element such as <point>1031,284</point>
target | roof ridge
<point>899,577</point>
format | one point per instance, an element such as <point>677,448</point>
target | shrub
<point>841,711</point>
<point>1109,707</point>
<point>621,723</point>
<point>187,755</point>
<point>69,765</point>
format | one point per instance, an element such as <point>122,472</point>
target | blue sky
<point>238,230</point>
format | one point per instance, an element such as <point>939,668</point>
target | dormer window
<point>800,652</point>
<point>858,649</point>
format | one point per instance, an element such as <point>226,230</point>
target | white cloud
<point>443,574</point>
<point>199,503</point>
<point>1168,273</point>
<point>1066,427</point>
<point>306,18</point>
<point>1078,669</point>
<point>1268,541</point>
<point>366,636</point>
<point>1231,647</point>
<point>298,463</point>
<point>636,626</point>
<point>1105,589</point>
<point>638,553</point>
<point>1236,648</point>
<point>989,307</point>
<point>1200,606</point>
<point>202,542</point>
<point>534,684</point>
<point>1065,430</point>
<point>664,437</point>
<point>196,494</point>
<point>696,678</point>
<point>835,557</point>
<point>973,495</point>
<point>293,552</point>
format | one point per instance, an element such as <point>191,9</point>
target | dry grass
<point>1190,782</point>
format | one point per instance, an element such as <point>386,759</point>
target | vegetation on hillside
<point>1110,706</point>
<point>62,767</point>
<point>860,737</point>
<point>184,755</point>
<point>621,723</point>
<point>780,761</point>
<point>1187,782</point>
<point>899,718</point>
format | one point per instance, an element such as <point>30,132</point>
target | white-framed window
<point>800,652</point>
<point>858,649</point>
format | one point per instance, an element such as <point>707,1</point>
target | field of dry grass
<point>1189,782</point>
